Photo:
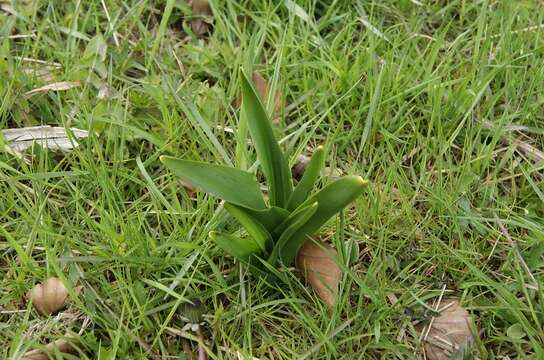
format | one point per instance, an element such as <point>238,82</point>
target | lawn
<point>438,104</point>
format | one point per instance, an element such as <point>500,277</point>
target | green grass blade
<point>255,230</point>
<point>241,249</point>
<point>270,218</point>
<point>230,184</point>
<point>331,199</point>
<point>273,163</point>
<point>308,180</point>
<point>291,226</point>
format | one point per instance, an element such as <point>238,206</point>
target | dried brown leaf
<point>449,332</point>
<point>49,297</point>
<point>317,262</point>
<point>201,10</point>
<point>60,345</point>
<point>57,86</point>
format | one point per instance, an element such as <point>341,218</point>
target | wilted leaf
<point>201,10</point>
<point>49,297</point>
<point>60,345</point>
<point>58,86</point>
<point>317,262</point>
<point>54,138</point>
<point>449,334</point>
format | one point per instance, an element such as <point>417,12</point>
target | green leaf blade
<point>297,219</point>
<point>270,218</point>
<point>241,249</point>
<point>308,180</point>
<point>230,184</point>
<point>273,163</point>
<point>255,230</point>
<point>331,199</point>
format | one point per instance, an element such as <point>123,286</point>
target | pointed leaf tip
<point>273,162</point>
<point>224,182</point>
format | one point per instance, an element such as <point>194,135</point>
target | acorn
<point>49,297</point>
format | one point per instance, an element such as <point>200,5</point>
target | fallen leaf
<point>60,345</point>
<point>201,10</point>
<point>53,138</point>
<point>448,334</point>
<point>317,262</point>
<point>57,86</point>
<point>49,297</point>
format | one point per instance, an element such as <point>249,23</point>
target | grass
<point>424,99</point>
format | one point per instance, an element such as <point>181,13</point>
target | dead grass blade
<point>57,86</point>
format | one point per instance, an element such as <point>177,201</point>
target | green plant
<point>275,231</point>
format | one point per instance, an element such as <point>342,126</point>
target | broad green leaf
<point>230,184</point>
<point>308,180</point>
<point>241,249</point>
<point>331,199</point>
<point>273,163</point>
<point>270,218</point>
<point>289,220</point>
<point>290,226</point>
<point>255,230</point>
<point>244,250</point>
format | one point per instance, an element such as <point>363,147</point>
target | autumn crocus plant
<point>277,229</point>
